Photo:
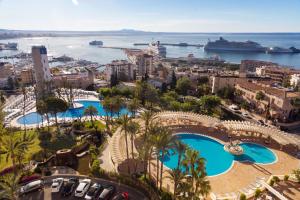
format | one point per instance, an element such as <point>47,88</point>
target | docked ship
<point>225,45</point>
<point>282,50</point>
<point>96,43</point>
<point>9,46</point>
<point>157,49</point>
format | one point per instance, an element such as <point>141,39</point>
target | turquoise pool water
<point>217,159</point>
<point>35,118</point>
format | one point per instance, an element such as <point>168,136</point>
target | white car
<point>83,187</point>
<point>234,107</point>
<point>32,186</point>
<point>57,184</point>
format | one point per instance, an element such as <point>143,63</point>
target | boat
<point>225,45</point>
<point>295,50</point>
<point>279,50</point>
<point>9,46</point>
<point>96,43</point>
<point>157,49</point>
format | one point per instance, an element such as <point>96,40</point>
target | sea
<point>78,46</point>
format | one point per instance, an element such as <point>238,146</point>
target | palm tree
<point>118,103</point>
<point>166,144</point>
<point>195,166</point>
<point>41,109</point>
<point>133,106</point>
<point>107,108</point>
<point>24,92</point>
<point>180,148</point>
<point>91,111</point>
<point>155,140</point>
<point>147,117</point>
<point>13,146</point>
<point>125,120</point>
<point>177,177</point>
<point>9,184</point>
<point>133,130</point>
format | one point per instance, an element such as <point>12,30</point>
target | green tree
<point>147,117</point>
<point>24,92</point>
<point>183,85</point>
<point>105,92</point>
<point>41,109</point>
<point>177,176</point>
<point>125,120</point>
<point>118,104</point>
<point>166,143</point>
<point>296,172</point>
<point>55,106</point>
<point>133,130</point>
<point>209,103</point>
<point>9,184</point>
<point>108,108</point>
<point>260,96</point>
<point>180,148</point>
<point>91,111</point>
<point>203,89</point>
<point>133,106</point>
<point>173,81</point>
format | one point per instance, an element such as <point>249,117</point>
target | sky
<point>152,15</point>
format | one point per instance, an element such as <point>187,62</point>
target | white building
<point>42,70</point>
<point>121,68</point>
<point>295,80</point>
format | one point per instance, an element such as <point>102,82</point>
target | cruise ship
<point>96,43</point>
<point>225,45</point>
<point>157,49</point>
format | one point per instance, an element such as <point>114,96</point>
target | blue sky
<point>152,15</point>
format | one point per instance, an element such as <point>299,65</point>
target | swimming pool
<point>35,118</point>
<point>217,159</point>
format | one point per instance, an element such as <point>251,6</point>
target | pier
<point>172,44</point>
<point>119,48</point>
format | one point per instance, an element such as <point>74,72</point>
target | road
<point>46,194</point>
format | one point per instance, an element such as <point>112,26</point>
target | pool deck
<point>240,175</point>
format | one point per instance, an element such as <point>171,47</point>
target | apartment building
<point>122,69</point>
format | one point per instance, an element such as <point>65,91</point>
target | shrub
<point>27,179</point>
<point>95,169</point>
<point>257,193</point>
<point>243,197</point>
<point>165,195</point>
<point>47,172</point>
<point>38,170</point>
<point>272,182</point>
<point>276,179</point>
<point>286,177</point>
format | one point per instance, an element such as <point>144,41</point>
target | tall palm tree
<point>133,130</point>
<point>107,108</point>
<point>9,184</point>
<point>41,109</point>
<point>125,120</point>
<point>166,144</point>
<point>13,146</point>
<point>180,148</point>
<point>133,106</point>
<point>24,92</point>
<point>91,111</point>
<point>155,140</point>
<point>118,103</point>
<point>147,117</point>
<point>177,176</point>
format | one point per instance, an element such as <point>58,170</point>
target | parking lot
<point>48,195</point>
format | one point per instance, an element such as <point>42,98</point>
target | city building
<point>26,76</point>
<point>295,80</point>
<point>122,69</point>
<point>6,71</point>
<point>75,77</point>
<point>219,82</point>
<point>275,102</point>
<point>42,71</point>
<point>143,61</point>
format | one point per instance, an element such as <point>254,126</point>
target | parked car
<point>246,115</point>
<point>234,107</point>
<point>261,122</point>
<point>94,191</point>
<point>107,193</point>
<point>32,186</point>
<point>121,196</point>
<point>83,187</point>
<point>57,184</point>
<point>69,186</point>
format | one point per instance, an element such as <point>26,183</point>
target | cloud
<point>75,2</point>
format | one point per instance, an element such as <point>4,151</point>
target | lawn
<point>32,150</point>
<point>100,125</point>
